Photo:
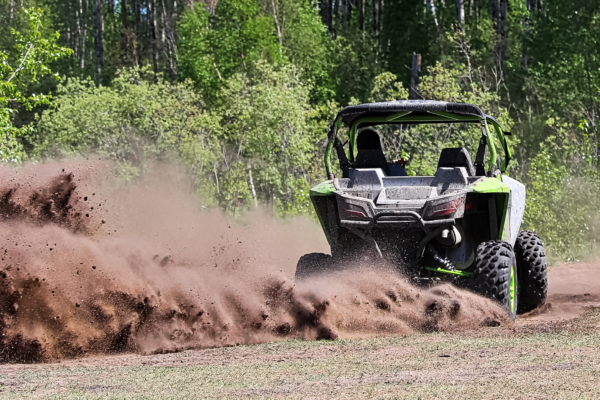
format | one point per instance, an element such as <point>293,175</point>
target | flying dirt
<point>91,265</point>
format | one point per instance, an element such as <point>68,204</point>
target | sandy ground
<point>572,289</point>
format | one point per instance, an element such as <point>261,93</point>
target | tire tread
<point>492,266</point>
<point>533,271</point>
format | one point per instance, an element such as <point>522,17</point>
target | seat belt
<point>344,164</point>
<point>480,157</point>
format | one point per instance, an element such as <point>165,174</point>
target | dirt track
<point>572,289</point>
<point>565,303</point>
<point>539,360</point>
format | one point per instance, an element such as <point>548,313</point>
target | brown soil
<point>90,267</point>
<point>572,290</point>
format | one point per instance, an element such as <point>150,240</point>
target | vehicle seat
<point>457,157</point>
<point>370,153</point>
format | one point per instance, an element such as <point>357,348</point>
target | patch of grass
<point>560,362</point>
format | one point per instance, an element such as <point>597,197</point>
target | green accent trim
<point>504,143</point>
<point>456,117</point>
<point>512,289</point>
<point>445,271</point>
<point>321,221</point>
<point>322,189</point>
<point>328,150</point>
<point>490,185</point>
<point>438,116</point>
<point>490,142</point>
<point>405,117</point>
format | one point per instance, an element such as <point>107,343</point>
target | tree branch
<point>16,71</point>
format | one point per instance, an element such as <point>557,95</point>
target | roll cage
<point>414,112</point>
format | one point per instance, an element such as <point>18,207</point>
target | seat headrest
<point>368,140</point>
<point>456,157</point>
<point>370,153</point>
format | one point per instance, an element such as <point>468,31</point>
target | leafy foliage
<point>262,138</point>
<point>253,85</point>
<point>19,69</point>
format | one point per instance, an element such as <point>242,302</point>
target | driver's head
<point>368,140</point>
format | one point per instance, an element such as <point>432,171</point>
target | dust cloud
<point>92,265</point>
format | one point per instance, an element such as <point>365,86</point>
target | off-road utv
<point>462,224</point>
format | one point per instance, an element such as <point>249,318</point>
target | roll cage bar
<point>413,112</point>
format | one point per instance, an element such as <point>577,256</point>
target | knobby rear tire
<point>313,264</point>
<point>533,271</point>
<point>495,274</point>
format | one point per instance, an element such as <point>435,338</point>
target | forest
<point>240,92</point>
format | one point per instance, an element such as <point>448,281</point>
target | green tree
<point>21,68</point>
<point>269,132</point>
<point>214,46</point>
<point>132,122</point>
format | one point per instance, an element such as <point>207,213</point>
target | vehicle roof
<point>350,113</point>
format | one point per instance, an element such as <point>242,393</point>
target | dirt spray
<point>91,265</point>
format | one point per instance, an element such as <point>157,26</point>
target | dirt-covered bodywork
<point>433,227</point>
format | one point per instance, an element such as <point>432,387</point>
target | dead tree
<point>414,77</point>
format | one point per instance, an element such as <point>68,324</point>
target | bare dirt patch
<point>572,290</point>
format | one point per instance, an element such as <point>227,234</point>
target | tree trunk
<point>503,17</point>
<point>68,22</point>
<point>498,11</point>
<point>125,33</point>
<point>98,38</point>
<point>82,35</point>
<point>343,11</point>
<point>124,14</point>
<point>137,45</point>
<point>531,5</point>
<point>327,14</point>
<point>361,15</point>
<point>277,27</point>
<point>494,12</point>
<point>212,6</point>
<point>77,50</point>
<point>460,12</point>
<point>592,106</point>
<point>348,10</point>
<point>502,32</point>
<point>414,77</point>
<point>376,19</point>
<point>251,182</point>
<point>11,10</point>
<point>170,42</point>
<point>153,36</point>
<point>431,8</point>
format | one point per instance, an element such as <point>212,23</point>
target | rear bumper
<point>400,219</point>
<point>397,219</point>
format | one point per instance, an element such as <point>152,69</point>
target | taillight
<point>444,209</point>
<point>355,214</point>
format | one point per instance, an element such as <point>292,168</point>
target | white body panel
<point>516,207</point>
